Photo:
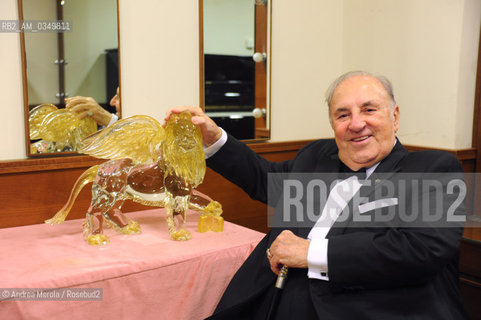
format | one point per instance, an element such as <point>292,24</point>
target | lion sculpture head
<point>182,150</point>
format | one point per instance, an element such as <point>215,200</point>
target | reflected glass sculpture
<point>148,164</point>
<point>36,116</point>
<point>58,129</point>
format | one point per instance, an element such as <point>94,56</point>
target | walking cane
<point>281,280</point>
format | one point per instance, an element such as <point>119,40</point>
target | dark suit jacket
<point>390,271</point>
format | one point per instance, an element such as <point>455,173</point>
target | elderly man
<point>344,270</point>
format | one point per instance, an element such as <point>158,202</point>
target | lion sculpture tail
<point>86,177</point>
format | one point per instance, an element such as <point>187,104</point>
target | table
<point>145,276</point>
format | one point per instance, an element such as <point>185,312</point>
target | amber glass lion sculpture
<point>149,165</point>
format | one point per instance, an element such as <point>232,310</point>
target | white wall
<point>11,89</point>
<point>306,57</point>
<point>468,55</point>
<point>427,47</point>
<point>159,44</point>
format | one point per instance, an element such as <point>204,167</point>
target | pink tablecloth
<point>146,276</point>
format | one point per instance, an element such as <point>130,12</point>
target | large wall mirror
<point>236,48</point>
<point>59,65</point>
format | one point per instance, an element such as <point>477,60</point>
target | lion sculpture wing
<point>137,138</point>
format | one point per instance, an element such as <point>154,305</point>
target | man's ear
<point>396,115</point>
<point>330,117</point>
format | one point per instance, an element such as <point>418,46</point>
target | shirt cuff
<point>213,148</point>
<point>113,119</point>
<point>317,259</point>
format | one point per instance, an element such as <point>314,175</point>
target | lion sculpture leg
<point>182,197</point>
<point>211,211</point>
<point>112,218</point>
<point>176,205</point>
<point>176,208</point>
<point>108,195</point>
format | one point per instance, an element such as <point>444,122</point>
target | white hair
<point>384,81</point>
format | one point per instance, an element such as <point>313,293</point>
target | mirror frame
<point>25,88</point>
<point>268,67</point>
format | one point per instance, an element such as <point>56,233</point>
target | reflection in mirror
<point>71,79</point>
<point>235,31</point>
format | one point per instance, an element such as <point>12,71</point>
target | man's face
<point>363,121</point>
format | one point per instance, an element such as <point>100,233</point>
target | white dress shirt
<point>212,149</point>
<point>340,195</point>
